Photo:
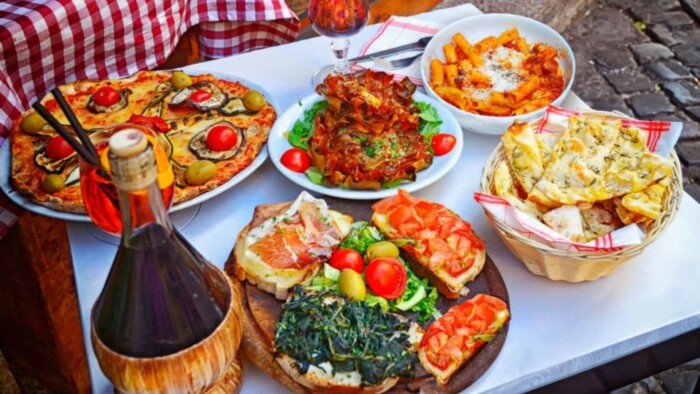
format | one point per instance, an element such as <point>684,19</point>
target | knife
<point>418,45</point>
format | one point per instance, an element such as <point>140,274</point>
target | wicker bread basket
<point>556,264</point>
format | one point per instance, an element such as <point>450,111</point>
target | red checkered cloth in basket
<point>662,136</point>
<point>44,43</point>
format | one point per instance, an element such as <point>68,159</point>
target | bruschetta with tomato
<point>439,245</point>
<point>450,341</point>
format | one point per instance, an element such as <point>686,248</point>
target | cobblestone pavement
<point>642,57</point>
<point>679,380</point>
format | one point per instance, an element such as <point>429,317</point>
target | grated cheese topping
<point>501,65</point>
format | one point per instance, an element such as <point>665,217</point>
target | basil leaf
<point>303,129</point>
<point>429,120</point>
<point>393,184</point>
<point>315,176</point>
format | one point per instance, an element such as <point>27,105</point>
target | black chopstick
<point>68,111</point>
<point>82,151</point>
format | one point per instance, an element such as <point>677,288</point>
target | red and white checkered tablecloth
<point>44,43</point>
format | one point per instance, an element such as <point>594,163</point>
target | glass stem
<point>340,47</point>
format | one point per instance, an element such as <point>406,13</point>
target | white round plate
<point>478,27</point>
<point>277,144</point>
<point>29,205</point>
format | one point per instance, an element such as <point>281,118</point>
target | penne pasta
<point>462,43</point>
<point>451,74</point>
<point>465,65</point>
<point>508,36</point>
<point>450,53</point>
<point>486,45</point>
<point>437,73</point>
<point>497,76</point>
<point>524,90</point>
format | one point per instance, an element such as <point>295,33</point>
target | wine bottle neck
<point>140,208</point>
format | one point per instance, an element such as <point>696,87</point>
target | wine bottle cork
<point>131,160</point>
<point>127,143</point>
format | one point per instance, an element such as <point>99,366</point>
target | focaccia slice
<point>600,220</point>
<point>596,160</point>
<point>649,201</point>
<point>523,154</point>
<point>566,221</point>
<point>505,188</point>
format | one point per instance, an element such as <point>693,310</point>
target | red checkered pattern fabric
<point>44,43</point>
<point>555,118</point>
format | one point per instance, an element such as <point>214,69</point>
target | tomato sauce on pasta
<point>497,76</point>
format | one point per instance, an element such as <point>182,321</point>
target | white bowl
<point>476,28</point>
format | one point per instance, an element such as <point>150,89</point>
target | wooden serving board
<point>261,310</point>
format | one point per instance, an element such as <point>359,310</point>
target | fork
<point>394,64</point>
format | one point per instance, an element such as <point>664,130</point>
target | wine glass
<point>337,20</point>
<point>99,194</point>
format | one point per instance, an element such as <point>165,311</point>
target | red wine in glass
<point>338,20</point>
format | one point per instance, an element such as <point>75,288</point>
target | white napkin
<point>395,32</point>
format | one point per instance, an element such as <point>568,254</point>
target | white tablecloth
<point>557,329</point>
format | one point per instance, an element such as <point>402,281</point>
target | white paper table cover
<point>557,329</point>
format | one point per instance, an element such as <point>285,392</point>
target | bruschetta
<point>439,245</point>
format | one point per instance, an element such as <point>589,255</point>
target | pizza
<point>211,129</point>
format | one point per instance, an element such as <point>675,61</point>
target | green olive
<point>32,123</point>
<point>253,100</point>
<point>200,172</point>
<point>53,183</point>
<point>382,249</point>
<point>352,285</point>
<point>181,80</point>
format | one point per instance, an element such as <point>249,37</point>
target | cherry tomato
<point>221,138</point>
<point>347,258</point>
<point>106,96</point>
<point>387,277</point>
<point>442,144</point>
<point>58,148</point>
<point>200,95</point>
<point>296,159</point>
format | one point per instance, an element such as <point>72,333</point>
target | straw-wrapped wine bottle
<point>167,320</point>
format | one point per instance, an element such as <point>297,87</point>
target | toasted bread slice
<point>264,274</point>
<point>321,379</point>
<point>272,281</point>
<point>446,284</point>
<point>450,287</point>
<point>567,221</point>
<point>453,333</point>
